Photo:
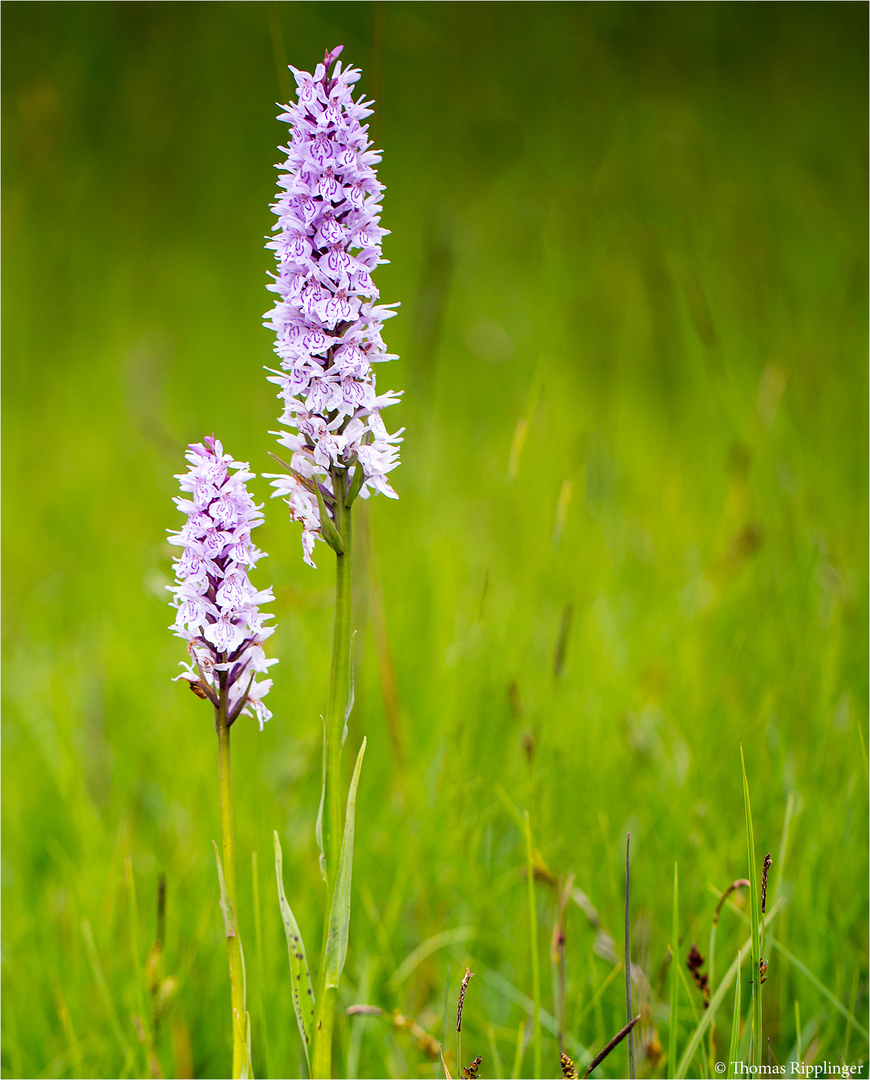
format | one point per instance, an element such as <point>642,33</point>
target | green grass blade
<point>425,949</point>
<point>518,1053</point>
<point>783,845</point>
<point>675,976</point>
<point>258,931</point>
<point>339,916</point>
<point>820,986</point>
<point>689,992</point>
<point>734,1045</point>
<point>300,974</point>
<point>133,920</point>
<point>753,915</point>
<point>494,1054</point>
<point>507,989</point>
<point>628,1011</point>
<point>87,934</point>
<point>596,997</point>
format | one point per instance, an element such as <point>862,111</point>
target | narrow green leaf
<point>735,1027</point>
<point>300,975</point>
<point>133,918</point>
<point>339,916</point>
<point>226,903</point>
<point>327,526</point>
<point>318,826</point>
<point>348,709</point>
<point>753,915</point>
<point>675,978</point>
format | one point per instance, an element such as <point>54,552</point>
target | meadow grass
<point>629,242</point>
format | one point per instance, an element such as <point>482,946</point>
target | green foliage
<point>629,241</point>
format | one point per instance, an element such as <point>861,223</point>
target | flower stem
<point>339,693</point>
<point>237,979</point>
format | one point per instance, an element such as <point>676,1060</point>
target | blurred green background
<point>629,241</point>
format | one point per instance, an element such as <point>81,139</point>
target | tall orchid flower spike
<point>328,321</point>
<point>218,615</point>
<point>218,608</point>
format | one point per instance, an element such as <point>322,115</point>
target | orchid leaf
<point>318,825</point>
<point>300,974</point>
<point>226,904</point>
<point>348,709</point>
<point>339,915</point>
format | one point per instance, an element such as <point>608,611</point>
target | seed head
<point>765,870</point>
<point>469,975</point>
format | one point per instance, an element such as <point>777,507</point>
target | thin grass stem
<point>446,1008</point>
<point>853,999</point>
<point>135,939</point>
<point>494,1052</point>
<point>258,930</point>
<point>754,925</point>
<point>518,1053</point>
<point>628,1014</point>
<point>100,979</point>
<point>533,933</point>
<point>675,978</point>
<point>734,1045</point>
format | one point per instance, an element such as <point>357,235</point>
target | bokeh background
<point>629,241</point>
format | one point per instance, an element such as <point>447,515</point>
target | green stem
<point>533,935</point>
<point>339,692</point>
<point>237,979</point>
